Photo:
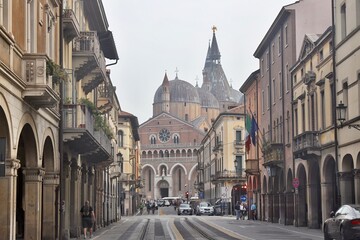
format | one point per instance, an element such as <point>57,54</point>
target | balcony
<point>273,153</point>
<point>228,176</point>
<point>239,145</point>
<point>88,61</point>
<point>105,98</point>
<point>82,136</point>
<point>40,91</point>
<point>307,145</point>
<point>71,27</point>
<point>218,146</point>
<point>252,166</point>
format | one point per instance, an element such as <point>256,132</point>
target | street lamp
<point>341,113</point>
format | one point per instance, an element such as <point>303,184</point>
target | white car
<point>205,208</point>
<point>166,203</point>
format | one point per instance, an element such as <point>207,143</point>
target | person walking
<point>253,211</point>
<point>87,217</point>
<point>237,210</point>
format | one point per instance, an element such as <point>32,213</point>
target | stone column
<point>33,202</point>
<point>8,199</point>
<point>346,187</point>
<point>357,185</point>
<point>282,208</point>
<point>50,183</point>
<point>75,204</point>
<point>327,200</point>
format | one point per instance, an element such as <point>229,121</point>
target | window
<point>149,180</point>
<point>288,126</point>
<point>323,116</point>
<point>186,117</point>
<point>269,97</point>
<point>346,97</point>
<point>152,140</point>
<point>176,139</point>
<point>274,90</point>
<point>238,137</point>
<point>273,53</point>
<point>179,179</point>
<point>330,46</point>
<point>303,117</point>
<point>263,101</point>
<point>295,80</point>
<point>279,45</point>
<point>312,112</point>
<point>332,101</point>
<point>262,67</point>
<point>296,122</point>
<point>281,86</point>
<point>286,35</point>
<point>343,21</point>
<point>120,138</point>
<point>267,61</point>
<point>239,163</point>
<point>287,79</point>
<point>321,55</point>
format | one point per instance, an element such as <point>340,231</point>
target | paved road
<point>165,224</point>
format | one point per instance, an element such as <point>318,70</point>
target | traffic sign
<point>243,198</point>
<point>295,183</point>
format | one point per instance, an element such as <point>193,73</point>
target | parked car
<point>205,208</point>
<point>344,224</point>
<point>161,203</point>
<point>185,208</point>
<point>166,203</point>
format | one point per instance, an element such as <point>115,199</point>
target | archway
<point>27,156</point>
<point>179,179</point>
<point>289,215</point>
<point>315,212</point>
<point>50,192</point>
<point>302,196</point>
<point>346,179</point>
<point>329,187</point>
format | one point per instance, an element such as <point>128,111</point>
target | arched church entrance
<point>164,188</point>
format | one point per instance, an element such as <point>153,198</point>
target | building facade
<point>182,114</point>
<point>347,15</point>
<point>59,115</point>
<point>314,130</point>
<point>277,53</point>
<point>221,160</point>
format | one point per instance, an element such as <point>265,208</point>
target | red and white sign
<point>295,183</point>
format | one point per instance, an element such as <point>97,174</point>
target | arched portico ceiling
<point>178,165</point>
<point>329,169</point>
<point>347,163</point>
<point>50,151</point>
<point>27,148</point>
<point>6,124</point>
<point>289,179</point>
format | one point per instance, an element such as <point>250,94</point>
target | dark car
<point>344,224</point>
<point>185,208</point>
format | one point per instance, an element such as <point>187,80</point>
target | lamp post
<point>341,116</point>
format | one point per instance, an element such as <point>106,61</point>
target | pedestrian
<point>242,211</point>
<point>87,216</point>
<point>237,210</point>
<point>253,211</point>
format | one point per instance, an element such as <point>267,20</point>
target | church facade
<point>182,115</point>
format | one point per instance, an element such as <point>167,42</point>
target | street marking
<point>293,231</point>
<point>225,230</point>
<point>178,236</point>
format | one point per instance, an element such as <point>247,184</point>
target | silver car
<point>205,208</point>
<point>185,208</point>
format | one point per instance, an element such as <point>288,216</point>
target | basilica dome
<point>180,91</point>
<point>208,100</point>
